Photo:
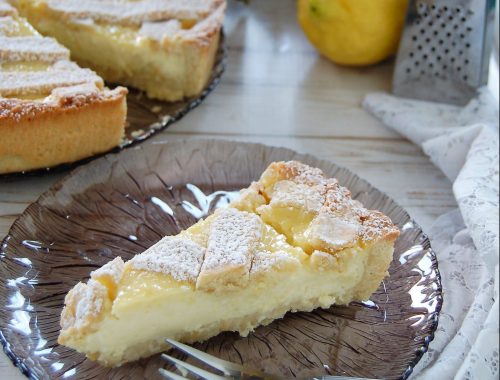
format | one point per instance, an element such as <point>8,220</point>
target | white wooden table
<point>278,91</point>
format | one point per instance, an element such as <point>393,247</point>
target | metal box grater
<point>445,50</point>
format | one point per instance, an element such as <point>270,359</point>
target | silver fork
<point>230,370</point>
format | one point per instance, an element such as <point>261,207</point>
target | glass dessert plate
<point>122,204</point>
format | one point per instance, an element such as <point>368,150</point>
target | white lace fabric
<point>464,144</point>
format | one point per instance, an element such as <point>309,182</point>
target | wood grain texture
<point>278,91</point>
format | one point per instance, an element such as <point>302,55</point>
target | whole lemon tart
<point>293,241</point>
<point>51,110</point>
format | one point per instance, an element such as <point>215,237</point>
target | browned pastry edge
<point>38,134</point>
<point>14,110</point>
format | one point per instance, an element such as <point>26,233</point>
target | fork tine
<point>228,368</point>
<point>192,369</point>
<point>170,375</point>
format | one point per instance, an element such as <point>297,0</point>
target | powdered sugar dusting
<point>340,221</point>
<point>83,304</point>
<point>31,49</point>
<point>299,195</point>
<point>113,270</point>
<point>197,19</point>
<point>376,225</point>
<point>134,12</point>
<point>40,82</point>
<point>8,27</point>
<point>301,173</point>
<point>59,94</point>
<point>264,261</point>
<point>6,9</point>
<point>22,80</point>
<point>91,304</point>
<point>160,29</point>
<point>232,239</point>
<point>176,256</point>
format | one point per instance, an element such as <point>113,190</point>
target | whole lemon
<point>353,32</point>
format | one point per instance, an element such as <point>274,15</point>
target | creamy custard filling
<point>122,55</point>
<point>24,66</point>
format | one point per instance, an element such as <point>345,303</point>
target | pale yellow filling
<point>291,222</point>
<point>24,66</point>
<point>137,285</point>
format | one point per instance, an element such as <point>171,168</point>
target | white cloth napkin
<point>464,144</point>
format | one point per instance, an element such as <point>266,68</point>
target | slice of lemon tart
<point>51,110</point>
<point>164,47</point>
<point>293,241</point>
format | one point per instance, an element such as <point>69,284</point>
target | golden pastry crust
<point>206,30</point>
<point>13,110</point>
<point>86,304</point>
<point>67,128</point>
